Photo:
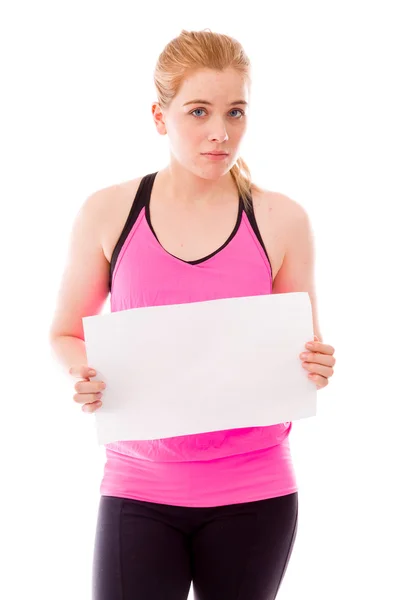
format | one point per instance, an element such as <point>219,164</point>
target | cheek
<point>184,134</point>
<point>240,131</point>
<point>190,138</point>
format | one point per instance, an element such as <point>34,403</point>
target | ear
<point>159,119</point>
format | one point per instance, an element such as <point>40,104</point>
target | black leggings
<point>149,551</point>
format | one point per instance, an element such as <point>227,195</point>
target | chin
<point>215,174</point>
<point>213,170</point>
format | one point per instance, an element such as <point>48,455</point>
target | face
<point>217,122</point>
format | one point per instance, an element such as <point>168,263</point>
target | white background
<point>324,129</point>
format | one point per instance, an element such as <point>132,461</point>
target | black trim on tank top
<point>252,220</point>
<point>138,203</point>
<point>142,200</point>
<point>199,260</point>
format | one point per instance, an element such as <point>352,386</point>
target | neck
<point>187,188</point>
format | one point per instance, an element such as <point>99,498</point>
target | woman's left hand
<point>319,360</point>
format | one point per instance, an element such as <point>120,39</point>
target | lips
<point>216,153</point>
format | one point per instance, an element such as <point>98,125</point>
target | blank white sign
<point>199,367</point>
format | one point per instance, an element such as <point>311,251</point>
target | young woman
<point>218,509</point>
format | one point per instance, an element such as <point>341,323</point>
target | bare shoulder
<point>277,215</point>
<point>296,250</point>
<point>103,202</point>
<point>278,211</point>
<point>84,284</point>
<point>277,204</point>
<point>111,207</point>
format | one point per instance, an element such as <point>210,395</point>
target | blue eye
<point>193,111</point>
<point>233,110</point>
<point>238,109</point>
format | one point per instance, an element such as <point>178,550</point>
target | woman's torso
<point>150,269</point>
<point>271,209</point>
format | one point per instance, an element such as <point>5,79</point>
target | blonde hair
<point>193,50</point>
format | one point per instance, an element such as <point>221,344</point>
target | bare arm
<point>69,351</point>
<point>84,283</point>
<point>297,273</point>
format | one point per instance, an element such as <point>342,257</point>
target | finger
<point>323,359</point>
<point>90,408</point>
<point>82,371</point>
<point>318,369</point>
<point>87,398</point>
<point>88,387</point>
<point>319,381</point>
<point>323,348</point>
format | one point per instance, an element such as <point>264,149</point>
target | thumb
<point>83,371</point>
<point>316,338</point>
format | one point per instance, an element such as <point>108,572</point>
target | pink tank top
<point>208,469</point>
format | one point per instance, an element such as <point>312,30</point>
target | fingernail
<point>309,345</point>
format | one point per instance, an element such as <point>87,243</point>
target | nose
<point>218,132</point>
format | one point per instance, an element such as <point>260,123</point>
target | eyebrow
<point>199,101</point>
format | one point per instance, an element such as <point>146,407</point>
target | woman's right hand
<point>88,392</point>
